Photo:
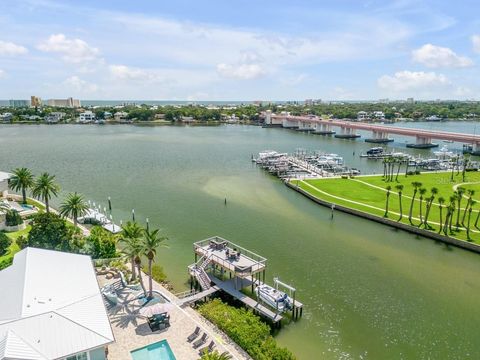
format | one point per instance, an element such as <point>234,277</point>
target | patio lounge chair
<point>200,341</point>
<point>207,349</point>
<point>111,297</point>
<point>194,335</point>
<point>135,287</point>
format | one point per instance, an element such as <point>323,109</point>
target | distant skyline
<point>220,50</point>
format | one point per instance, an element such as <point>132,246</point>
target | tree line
<point>51,231</point>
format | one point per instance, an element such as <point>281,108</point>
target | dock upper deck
<point>219,250</point>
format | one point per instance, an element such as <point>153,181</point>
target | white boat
<point>444,153</point>
<point>273,297</point>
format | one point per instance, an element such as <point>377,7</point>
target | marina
<point>302,164</point>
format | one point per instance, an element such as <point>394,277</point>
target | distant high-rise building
<point>35,101</point>
<point>69,103</point>
<point>19,103</point>
<point>309,102</point>
<point>410,100</point>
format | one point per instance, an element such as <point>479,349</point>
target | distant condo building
<point>410,100</point>
<point>35,101</point>
<point>19,103</point>
<point>69,103</point>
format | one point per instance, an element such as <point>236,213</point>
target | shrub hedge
<point>246,329</point>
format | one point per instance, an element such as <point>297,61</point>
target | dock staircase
<point>198,271</point>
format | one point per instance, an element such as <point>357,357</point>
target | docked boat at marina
<point>273,297</point>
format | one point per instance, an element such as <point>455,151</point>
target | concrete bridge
<point>380,133</point>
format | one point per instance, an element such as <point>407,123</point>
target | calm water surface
<point>369,292</point>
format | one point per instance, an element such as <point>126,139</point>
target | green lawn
<point>14,247</point>
<point>368,194</point>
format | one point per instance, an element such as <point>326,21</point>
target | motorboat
<point>273,297</point>
<point>375,151</point>
<point>444,153</point>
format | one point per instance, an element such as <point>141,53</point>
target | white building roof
<point>4,176</point>
<point>53,306</point>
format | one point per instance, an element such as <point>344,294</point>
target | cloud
<point>412,80</point>
<point>9,48</point>
<point>2,73</point>
<point>241,71</point>
<point>436,56</point>
<point>123,72</point>
<point>74,51</point>
<point>80,86</point>
<point>476,43</point>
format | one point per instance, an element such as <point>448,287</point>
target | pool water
<point>156,351</point>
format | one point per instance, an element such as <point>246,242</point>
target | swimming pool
<point>156,351</point>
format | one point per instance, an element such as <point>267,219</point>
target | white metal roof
<point>53,304</point>
<point>4,176</point>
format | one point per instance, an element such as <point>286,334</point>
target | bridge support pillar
<point>379,137</point>
<point>323,129</point>
<point>347,132</point>
<point>290,123</point>
<point>305,126</point>
<point>423,142</point>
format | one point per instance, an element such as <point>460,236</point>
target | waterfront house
<point>187,119</point>
<point>4,176</point>
<point>6,116</point>
<point>51,308</point>
<point>86,117</point>
<point>362,116</point>
<point>378,116</point>
<point>121,116</point>
<point>54,117</point>
<point>3,193</point>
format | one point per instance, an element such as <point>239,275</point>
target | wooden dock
<point>197,296</point>
<point>229,287</point>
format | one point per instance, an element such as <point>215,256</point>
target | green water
<point>369,292</point>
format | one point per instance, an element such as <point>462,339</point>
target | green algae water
<point>369,292</point>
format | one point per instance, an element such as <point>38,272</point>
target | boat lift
<point>296,305</point>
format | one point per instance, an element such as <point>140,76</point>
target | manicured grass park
<point>369,194</point>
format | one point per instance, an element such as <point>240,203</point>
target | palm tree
<point>138,249</point>
<point>74,206</point>
<point>131,234</point>
<point>470,193</point>
<point>399,188</point>
<point>399,162</point>
<point>441,201</point>
<point>21,180</point>
<point>465,162</point>
<point>434,192</point>
<point>476,220</point>
<point>422,192</point>
<point>215,355</point>
<point>394,161</point>
<point>452,199</point>
<point>460,192</point>
<point>473,202</point>
<point>385,169</point>
<point>416,185</point>
<point>388,196</point>
<point>44,187</point>
<point>151,241</point>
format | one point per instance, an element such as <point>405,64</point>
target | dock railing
<point>219,243</point>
